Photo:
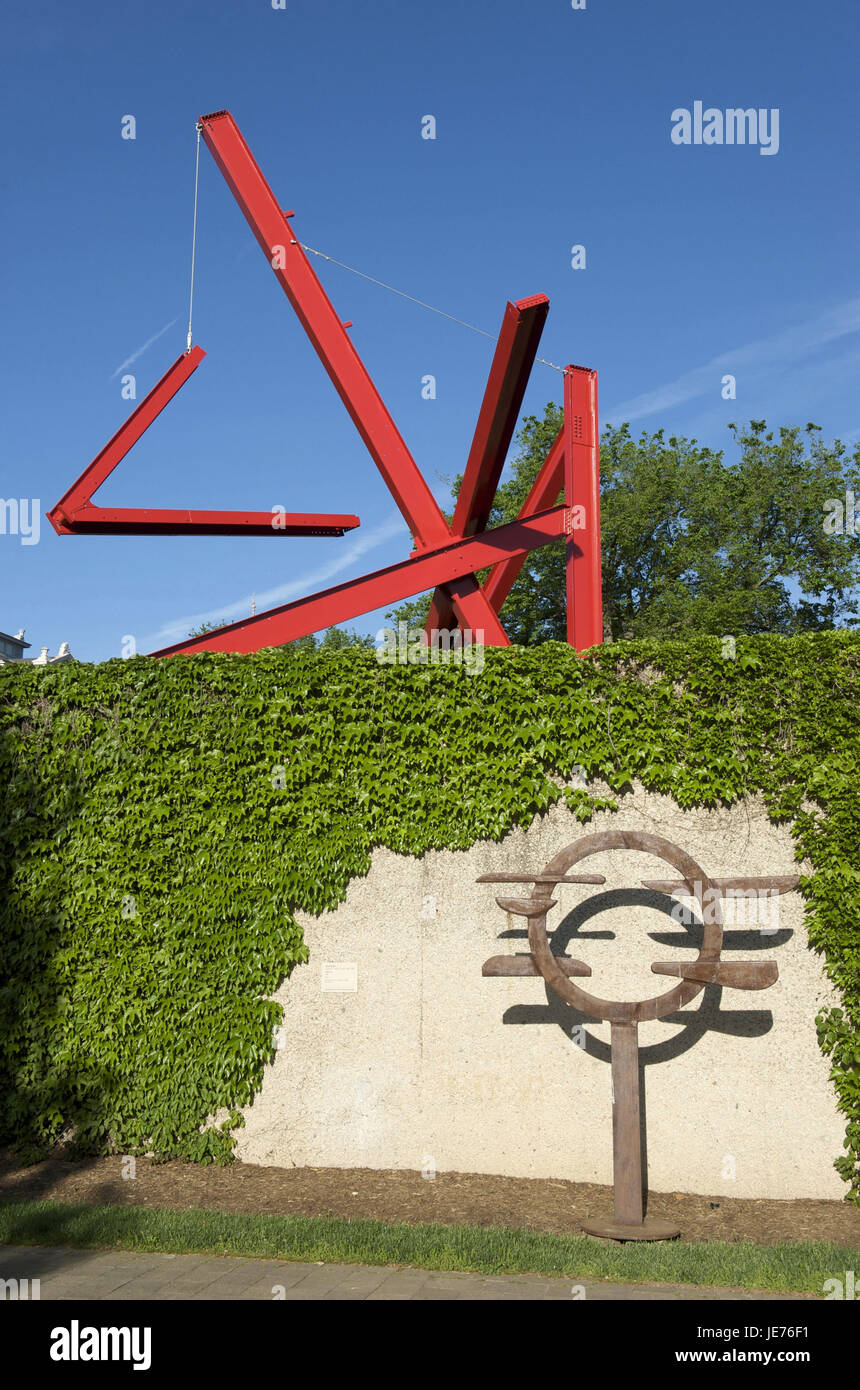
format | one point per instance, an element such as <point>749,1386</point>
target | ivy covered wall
<point>161,823</point>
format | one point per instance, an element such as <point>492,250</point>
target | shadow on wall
<point>707,1015</point>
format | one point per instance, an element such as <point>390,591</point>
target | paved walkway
<point>96,1274</point>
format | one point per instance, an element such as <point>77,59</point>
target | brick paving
<point>102,1275</point>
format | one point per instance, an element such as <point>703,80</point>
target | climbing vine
<point>162,822</point>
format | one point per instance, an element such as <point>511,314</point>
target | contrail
<point>788,346</point>
<point>141,350</point>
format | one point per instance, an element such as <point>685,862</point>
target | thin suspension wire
<point>193,239</point>
<point>413,300</point>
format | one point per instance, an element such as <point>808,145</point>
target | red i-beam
<point>582,494</point>
<point>445,557</point>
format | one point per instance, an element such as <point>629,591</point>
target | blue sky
<point>552,129</point>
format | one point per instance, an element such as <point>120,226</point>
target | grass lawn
<point>798,1266</point>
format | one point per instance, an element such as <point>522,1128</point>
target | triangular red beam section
<point>75,513</point>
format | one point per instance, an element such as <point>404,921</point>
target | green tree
<point>691,541</point>
<point>207,627</point>
<point>334,639</point>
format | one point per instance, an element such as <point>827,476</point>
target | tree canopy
<point>693,541</point>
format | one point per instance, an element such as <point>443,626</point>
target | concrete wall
<point>426,1062</point>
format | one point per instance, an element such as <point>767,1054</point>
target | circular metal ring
<point>700,887</point>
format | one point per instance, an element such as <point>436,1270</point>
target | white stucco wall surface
<point>428,1063</point>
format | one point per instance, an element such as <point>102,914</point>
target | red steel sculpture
<point>445,557</point>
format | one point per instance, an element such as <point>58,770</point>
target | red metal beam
<point>323,326</point>
<point>582,495</point>
<point>543,493</point>
<point>275,236</point>
<point>146,521</point>
<point>75,513</point>
<point>391,585</point>
<point>513,360</point>
<point>78,496</point>
<point>472,610</point>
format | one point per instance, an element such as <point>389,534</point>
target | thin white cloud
<point>179,628</point>
<point>141,350</point>
<point>761,355</point>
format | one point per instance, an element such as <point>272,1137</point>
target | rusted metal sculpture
<point>624,1017</point>
<point>446,557</point>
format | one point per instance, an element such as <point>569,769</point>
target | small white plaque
<point>340,977</point>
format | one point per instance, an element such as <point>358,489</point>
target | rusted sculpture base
<point>620,1230</point>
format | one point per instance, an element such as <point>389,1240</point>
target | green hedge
<point>162,822</point>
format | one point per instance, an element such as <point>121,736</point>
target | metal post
<point>628,1221</point>
<point>626,1145</point>
<point>582,495</point>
